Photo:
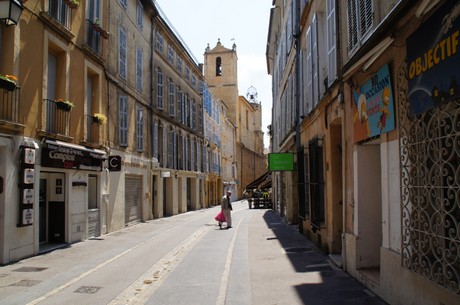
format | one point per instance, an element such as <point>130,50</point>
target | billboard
<point>433,60</point>
<point>281,162</point>
<point>373,106</point>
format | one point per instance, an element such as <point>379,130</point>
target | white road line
<point>225,275</point>
<point>83,275</point>
<point>145,286</point>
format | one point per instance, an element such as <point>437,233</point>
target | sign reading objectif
<point>433,60</point>
<point>281,162</point>
<point>373,106</point>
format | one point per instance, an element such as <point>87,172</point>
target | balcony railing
<point>92,130</point>
<point>57,118</point>
<point>10,105</point>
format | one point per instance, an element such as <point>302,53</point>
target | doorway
<point>368,226</point>
<point>52,220</point>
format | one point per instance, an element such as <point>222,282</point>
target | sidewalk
<point>287,268</point>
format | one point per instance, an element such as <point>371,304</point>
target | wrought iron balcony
<point>93,128</point>
<point>57,118</point>
<point>9,108</point>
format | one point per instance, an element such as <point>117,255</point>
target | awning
<point>256,184</point>
<point>266,185</point>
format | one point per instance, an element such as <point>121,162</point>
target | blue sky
<point>243,22</point>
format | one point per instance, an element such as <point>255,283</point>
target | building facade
<point>221,73</point>
<point>52,147</point>
<point>373,86</point>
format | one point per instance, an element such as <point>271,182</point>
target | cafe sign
<point>59,156</point>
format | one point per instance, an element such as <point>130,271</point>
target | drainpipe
<point>300,169</point>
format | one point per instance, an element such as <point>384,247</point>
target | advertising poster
<point>434,61</point>
<point>374,106</point>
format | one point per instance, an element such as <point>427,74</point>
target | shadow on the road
<point>324,283</point>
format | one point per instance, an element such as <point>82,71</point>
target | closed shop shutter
<point>133,191</point>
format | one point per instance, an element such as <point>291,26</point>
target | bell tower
<point>220,72</point>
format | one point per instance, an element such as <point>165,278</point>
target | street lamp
<point>10,11</point>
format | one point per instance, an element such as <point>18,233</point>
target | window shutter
<point>164,150</point>
<point>314,47</point>
<point>352,11</point>
<point>139,60</point>
<point>122,62</point>
<point>159,88</point>
<point>140,129</point>
<point>155,140</point>
<point>331,42</point>
<point>309,73</point>
<point>123,120</point>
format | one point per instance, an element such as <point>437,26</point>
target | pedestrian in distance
<point>226,206</point>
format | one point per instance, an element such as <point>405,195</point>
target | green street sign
<point>281,162</point>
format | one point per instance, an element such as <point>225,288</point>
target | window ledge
<point>51,135</point>
<point>12,128</point>
<point>56,25</point>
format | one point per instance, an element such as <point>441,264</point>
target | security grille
<point>430,190</point>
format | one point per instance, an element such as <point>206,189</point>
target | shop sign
<point>373,106</point>
<point>433,60</point>
<point>58,156</point>
<point>281,162</point>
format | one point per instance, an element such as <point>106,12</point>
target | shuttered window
<point>179,104</point>
<point>140,129</point>
<point>160,97</point>
<point>331,41</point>
<point>139,60</point>
<point>122,56</point>
<point>360,16</point>
<point>171,148</point>
<point>155,140</point>
<point>171,97</point>
<point>123,120</point>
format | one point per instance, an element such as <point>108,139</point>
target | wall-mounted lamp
<point>10,11</point>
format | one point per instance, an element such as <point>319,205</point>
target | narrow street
<point>187,259</point>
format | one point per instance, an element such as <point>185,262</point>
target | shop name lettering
<point>372,95</point>
<point>441,51</point>
<point>67,155</point>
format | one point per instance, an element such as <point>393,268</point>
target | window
<point>123,120</point>
<point>155,139</point>
<point>180,64</point>
<point>194,81</point>
<point>311,70</point>
<point>139,63</point>
<point>171,148</point>
<point>122,58</point>
<point>60,11</point>
<point>360,17</point>
<point>218,66</point>
<point>159,44</point>
<point>316,182</point>
<point>93,37</point>
<point>160,98</point>
<point>171,54</point>
<point>187,73</point>
<point>179,104</point>
<point>124,3</point>
<point>193,123</point>
<point>140,13</point>
<point>140,128</point>
<point>171,97</point>
<point>430,190</point>
<point>331,41</point>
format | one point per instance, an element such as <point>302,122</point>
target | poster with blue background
<point>374,106</point>
<point>434,60</point>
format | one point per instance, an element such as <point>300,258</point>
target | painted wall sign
<point>64,157</point>
<point>434,60</point>
<point>374,106</point>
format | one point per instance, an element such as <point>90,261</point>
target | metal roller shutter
<point>133,191</point>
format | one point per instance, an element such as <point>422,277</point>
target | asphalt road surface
<point>187,259</point>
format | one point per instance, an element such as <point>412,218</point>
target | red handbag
<point>220,217</point>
